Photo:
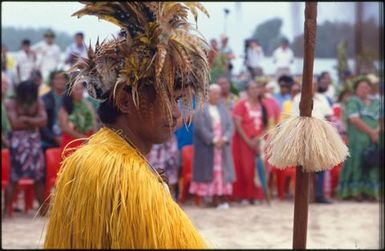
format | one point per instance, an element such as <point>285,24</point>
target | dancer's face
<point>151,121</point>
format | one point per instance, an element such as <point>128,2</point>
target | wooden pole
<point>301,199</point>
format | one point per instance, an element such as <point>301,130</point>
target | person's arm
<point>58,52</point>
<point>275,56</point>
<point>40,119</point>
<point>228,127</point>
<point>4,141</point>
<point>352,111</point>
<point>239,129</point>
<point>64,125</point>
<point>291,57</point>
<point>362,126</point>
<point>68,57</point>
<point>16,122</point>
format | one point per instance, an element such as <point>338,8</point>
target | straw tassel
<point>107,197</point>
<point>309,142</point>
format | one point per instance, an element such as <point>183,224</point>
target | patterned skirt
<point>27,158</point>
<point>217,186</point>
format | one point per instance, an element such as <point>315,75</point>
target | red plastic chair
<point>185,180</point>
<point>24,184</point>
<point>52,160</point>
<point>4,168</point>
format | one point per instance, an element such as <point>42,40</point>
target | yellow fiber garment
<point>108,197</point>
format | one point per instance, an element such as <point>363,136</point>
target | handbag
<point>371,156</point>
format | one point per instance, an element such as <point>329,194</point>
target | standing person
<point>76,49</point>
<point>325,86</point>
<point>26,116</point>
<point>8,64</point>
<point>250,118</point>
<point>362,114</point>
<point>287,106</point>
<point>51,134</point>
<point>213,52</point>
<point>165,158</point>
<point>321,110</point>
<point>48,54</point>
<point>254,56</point>
<point>285,84</point>
<point>227,97</point>
<point>5,127</point>
<point>26,61</point>
<point>269,102</point>
<point>213,171</point>
<point>107,194</point>
<point>37,78</point>
<point>77,118</point>
<point>228,54</point>
<point>283,57</point>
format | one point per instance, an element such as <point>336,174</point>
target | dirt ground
<point>341,225</point>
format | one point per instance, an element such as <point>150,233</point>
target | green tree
<point>269,35</point>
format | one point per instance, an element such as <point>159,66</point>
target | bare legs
<point>39,193</point>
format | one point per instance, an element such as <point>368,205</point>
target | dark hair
<point>359,80</point>
<point>26,42</point>
<point>265,117</point>
<point>342,94</point>
<point>53,74</point>
<point>287,80</point>
<point>285,41</point>
<point>36,74</point>
<point>26,92</point>
<point>108,112</point>
<point>79,34</point>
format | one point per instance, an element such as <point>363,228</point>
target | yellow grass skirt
<point>108,197</point>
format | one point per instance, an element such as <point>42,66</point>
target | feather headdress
<point>157,46</point>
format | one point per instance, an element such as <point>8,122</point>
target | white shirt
<point>254,56</point>
<point>26,64</point>
<point>321,107</point>
<point>283,58</point>
<point>48,57</point>
<point>331,91</point>
<point>73,49</point>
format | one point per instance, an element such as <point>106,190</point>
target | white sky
<point>242,20</point>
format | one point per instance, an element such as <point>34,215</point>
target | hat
<point>49,33</point>
<point>373,78</point>
<point>262,80</point>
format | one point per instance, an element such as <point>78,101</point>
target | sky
<point>240,23</point>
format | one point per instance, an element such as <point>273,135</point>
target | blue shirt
<point>184,134</point>
<point>281,99</point>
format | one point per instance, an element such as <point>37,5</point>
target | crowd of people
<point>227,135</point>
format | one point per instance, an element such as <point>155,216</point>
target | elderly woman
<point>213,171</point>
<point>358,180</point>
